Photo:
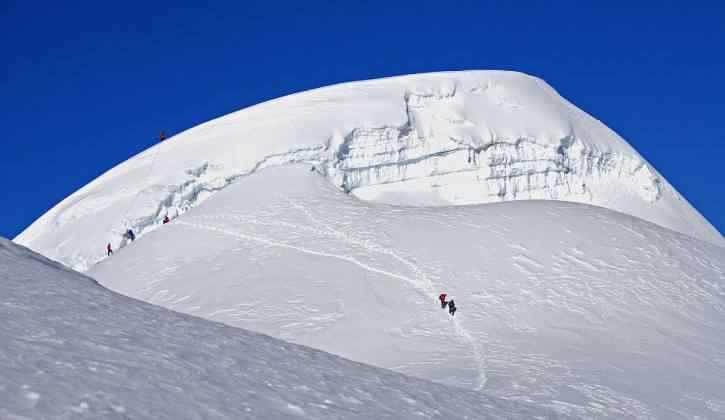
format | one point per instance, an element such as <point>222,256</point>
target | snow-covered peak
<point>422,140</point>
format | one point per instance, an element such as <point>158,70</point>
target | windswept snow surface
<point>424,140</point>
<point>584,310</point>
<point>71,349</point>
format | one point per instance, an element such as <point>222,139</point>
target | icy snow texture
<point>71,349</point>
<point>583,310</point>
<point>425,140</point>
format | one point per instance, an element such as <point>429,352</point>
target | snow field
<point>586,311</point>
<point>72,349</point>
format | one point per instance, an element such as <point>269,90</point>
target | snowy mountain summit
<point>334,218</point>
<point>422,140</point>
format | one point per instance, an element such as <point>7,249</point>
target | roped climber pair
<point>451,304</point>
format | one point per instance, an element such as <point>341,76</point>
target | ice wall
<point>430,155</point>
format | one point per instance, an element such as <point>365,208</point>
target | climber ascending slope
<point>166,219</point>
<point>162,135</point>
<point>108,248</point>
<point>130,235</point>
<point>452,307</point>
<point>442,298</point>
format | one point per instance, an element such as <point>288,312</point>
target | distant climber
<point>166,219</point>
<point>442,298</point>
<point>108,248</point>
<point>312,169</point>
<point>130,235</point>
<point>452,307</point>
<point>162,135</point>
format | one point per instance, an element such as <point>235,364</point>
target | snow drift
<point>425,140</point>
<point>71,349</point>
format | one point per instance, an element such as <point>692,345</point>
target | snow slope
<point>71,349</point>
<point>584,310</point>
<point>425,140</point>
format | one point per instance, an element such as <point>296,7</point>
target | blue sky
<point>86,85</point>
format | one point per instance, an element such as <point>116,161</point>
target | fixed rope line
<point>143,183</point>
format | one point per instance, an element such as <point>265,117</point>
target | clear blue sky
<point>86,85</point>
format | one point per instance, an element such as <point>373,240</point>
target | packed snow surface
<point>70,348</point>
<point>584,310</point>
<point>424,140</point>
